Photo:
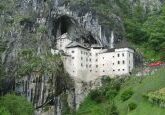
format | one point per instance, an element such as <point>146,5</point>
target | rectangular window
<point>72,57</point>
<point>118,62</point>
<point>123,54</point>
<point>123,62</point>
<point>86,66</point>
<point>96,66</point>
<point>103,64</point>
<point>123,69</point>
<point>72,51</point>
<point>118,69</point>
<point>81,58</point>
<point>96,60</point>
<point>118,55</point>
<point>81,65</point>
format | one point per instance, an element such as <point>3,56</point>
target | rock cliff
<point>28,31</point>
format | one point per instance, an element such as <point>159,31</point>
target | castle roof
<point>74,44</point>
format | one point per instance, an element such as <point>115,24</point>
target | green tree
<point>155,29</point>
<point>15,105</point>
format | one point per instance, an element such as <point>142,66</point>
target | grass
<point>144,107</point>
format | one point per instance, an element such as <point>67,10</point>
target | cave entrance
<point>62,25</point>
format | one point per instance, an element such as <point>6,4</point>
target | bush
<point>113,110</point>
<point>15,105</point>
<point>126,94</point>
<point>97,96</point>
<point>132,106</point>
<point>3,111</point>
<point>111,93</point>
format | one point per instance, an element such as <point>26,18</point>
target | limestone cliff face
<point>28,30</point>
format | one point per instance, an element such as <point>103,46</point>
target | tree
<point>15,105</point>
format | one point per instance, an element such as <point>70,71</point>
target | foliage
<point>157,97</point>
<point>15,105</point>
<point>149,83</point>
<point>113,110</point>
<point>3,111</point>
<point>147,30</point>
<point>45,63</point>
<point>97,96</point>
<point>126,94</point>
<point>132,106</point>
<point>42,29</point>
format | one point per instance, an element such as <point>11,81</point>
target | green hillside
<point>144,107</point>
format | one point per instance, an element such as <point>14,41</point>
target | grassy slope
<point>144,107</point>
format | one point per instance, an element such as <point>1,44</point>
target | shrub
<point>132,106</point>
<point>126,94</point>
<point>113,110</point>
<point>111,93</point>
<point>3,111</point>
<point>15,105</point>
<point>96,95</point>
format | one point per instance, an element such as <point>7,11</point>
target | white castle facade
<point>88,63</point>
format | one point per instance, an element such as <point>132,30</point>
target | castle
<point>88,62</point>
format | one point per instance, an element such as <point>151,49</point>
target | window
<point>118,69</point>
<point>103,71</point>
<point>123,54</point>
<point>72,57</point>
<point>118,62</point>
<point>129,68</point>
<point>81,58</point>
<point>73,71</point>
<point>81,52</point>
<point>96,66</point>
<point>72,51</point>
<point>86,66</point>
<point>123,69</point>
<point>113,63</point>
<point>90,70</point>
<point>96,60</point>
<point>96,54</point>
<point>90,54</point>
<point>96,71</point>
<point>81,65</point>
<point>129,62</point>
<point>113,56</point>
<point>129,54</point>
<point>89,59</point>
<point>113,70</point>
<point>103,57</point>
<point>103,64</point>
<point>123,62</point>
<point>89,66</point>
<point>118,55</point>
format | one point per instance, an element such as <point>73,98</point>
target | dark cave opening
<point>62,25</point>
<point>66,24</point>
